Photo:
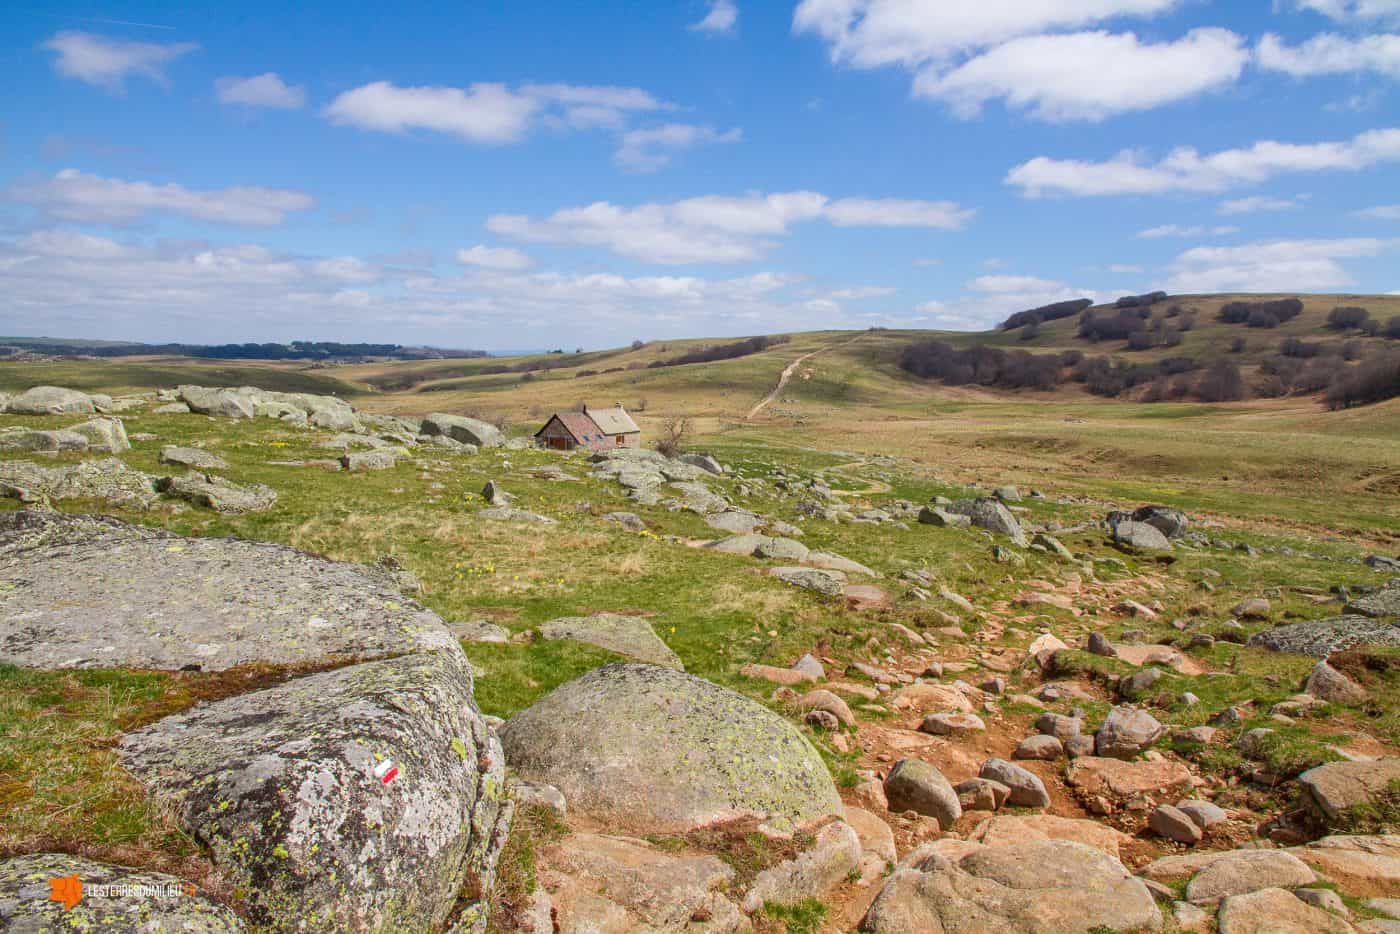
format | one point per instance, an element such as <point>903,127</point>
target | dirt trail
<point>786,375</point>
<point>875,487</point>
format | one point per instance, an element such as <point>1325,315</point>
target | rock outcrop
<point>356,799</point>
<point>649,749</point>
<point>88,592</point>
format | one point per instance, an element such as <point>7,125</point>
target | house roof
<point>576,423</point>
<point>614,421</point>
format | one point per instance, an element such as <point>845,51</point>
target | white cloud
<point>1275,266</point>
<point>721,18</point>
<point>863,291</point>
<point>108,62</point>
<point>494,257</point>
<point>1330,54</point>
<point>1256,204</point>
<point>896,212</point>
<point>1350,10</point>
<point>1383,212</point>
<point>717,228</point>
<point>196,291</point>
<point>1185,169</point>
<point>483,113</point>
<point>1061,77</point>
<point>647,150</point>
<point>1177,230</point>
<point>77,196</point>
<point>1000,285</point>
<point>873,33</point>
<point>265,90</point>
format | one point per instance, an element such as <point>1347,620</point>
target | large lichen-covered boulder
<point>1340,790</point>
<point>462,429</point>
<point>652,750</point>
<point>51,400</point>
<point>89,592</point>
<point>108,480</point>
<point>988,513</point>
<point>224,403</point>
<point>366,798</point>
<point>219,494</point>
<point>31,902</point>
<point>104,434</point>
<point>1321,637</point>
<point>1039,887</point>
<point>1381,603</point>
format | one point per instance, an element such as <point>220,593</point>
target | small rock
<point>1169,822</point>
<point>914,785</point>
<point>1027,790</point>
<point>1043,747</point>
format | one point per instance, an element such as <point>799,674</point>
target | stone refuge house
<point>595,429</point>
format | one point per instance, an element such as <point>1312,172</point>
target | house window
<point>620,439</point>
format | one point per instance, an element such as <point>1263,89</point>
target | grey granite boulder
<point>914,785</point>
<point>223,403</point>
<point>219,494</point>
<point>48,442</point>
<point>1381,603</point>
<point>988,513</point>
<point>51,400</point>
<point>87,592</point>
<point>103,434</point>
<point>29,902</point>
<point>1037,887</point>
<point>1140,536</point>
<point>631,636</point>
<point>1338,789</point>
<point>366,798</point>
<point>462,429</point>
<point>191,457</point>
<point>651,750</point>
<point>1127,731</point>
<point>1321,637</point>
<point>1172,523</point>
<point>108,480</point>
<point>828,583</point>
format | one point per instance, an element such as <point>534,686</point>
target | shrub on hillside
<point>1046,313</point>
<point>982,365</point>
<point>1111,325</point>
<point>1281,310</point>
<point>1392,328</point>
<point>1373,380</point>
<point>1030,331</point>
<point>1303,350</point>
<point>1347,317</point>
<point>1221,382</point>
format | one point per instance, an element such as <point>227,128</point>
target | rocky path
<point>786,375</point>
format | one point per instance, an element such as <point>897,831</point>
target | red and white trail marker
<point>386,771</point>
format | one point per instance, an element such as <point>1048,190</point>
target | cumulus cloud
<point>107,63</point>
<point>717,228</point>
<point>494,257</point>
<point>168,290</point>
<point>265,90</point>
<point>1273,266</point>
<point>720,19</point>
<point>873,33</point>
<point>486,112</point>
<point>1186,169</point>
<point>1330,54</point>
<point>1256,204</point>
<point>1352,10</point>
<point>77,196</point>
<point>649,149</point>
<point>1061,77</point>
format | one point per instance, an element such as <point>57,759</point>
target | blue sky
<point>529,174</point>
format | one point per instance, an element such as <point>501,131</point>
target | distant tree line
<point>715,352</point>
<point>296,350</point>
<point>1140,301</point>
<point>1046,313</point>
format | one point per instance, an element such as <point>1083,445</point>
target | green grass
<point>804,917</point>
